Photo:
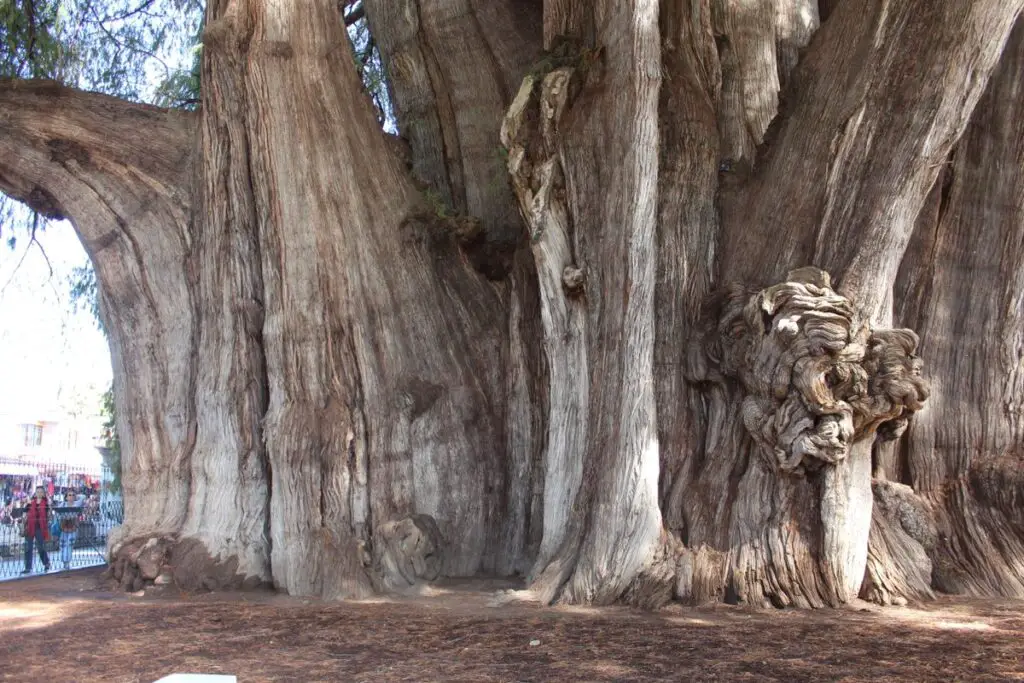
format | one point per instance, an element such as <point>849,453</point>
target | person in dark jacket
<point>37,530</point>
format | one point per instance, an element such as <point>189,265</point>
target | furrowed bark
<point>804,541</point>
<point>598,108</point>
<point>758,47</point>
<point>563,313</point>
<point>367,426</point>
<point>878,165</point>
<point>124,175</point>
<point>688,229</point>
<point>963,289</point>
<point>231,385</point>
<point>453,68</point>
<point>615,542</point>
<point>390,378</point>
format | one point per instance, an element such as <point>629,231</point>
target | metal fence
<point>82,511</point>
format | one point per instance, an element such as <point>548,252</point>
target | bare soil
<point>68,628</point>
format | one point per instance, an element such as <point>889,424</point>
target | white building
<point>50,450</point>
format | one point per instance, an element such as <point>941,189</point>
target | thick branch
<point>963,285</point>
<point>583,156</point>
<point>454,66</point>
<point>881,96</point>
<point>71,154</point>
<point>119,171</point>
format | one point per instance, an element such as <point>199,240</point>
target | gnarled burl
<point>814,386</point>
<point>816,378</point>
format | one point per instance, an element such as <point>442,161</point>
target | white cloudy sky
<point>50,354</point>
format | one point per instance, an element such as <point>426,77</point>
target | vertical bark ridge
<point>726,64</point>
<point>451,88</point>
<point>230,462</point>
<point>453,66</point>
<point>758,46</point>
<point>344,324</point>
<point>538,181</point>
<point>423,113</point>
<point>861,228</point>
<point>964,454</point>
<point>599,111</point>
<point>687,236</point>
<point>877,167</point>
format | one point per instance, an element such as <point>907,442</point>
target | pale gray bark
<point>879,169</point>
<point>961,285</point>
<point>507,360</point>
<point>603,535</point>
<point>538,180</point>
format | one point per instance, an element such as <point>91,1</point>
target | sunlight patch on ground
<point>944,620</point>
<point>690,621</point>
<point>583,609</point>
<point>963,626</point>
<point>30,615</point>
<point>607,668</point>
<point>509,596</point>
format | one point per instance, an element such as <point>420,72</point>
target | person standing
<point>37,530</point>
<point>68,531</point>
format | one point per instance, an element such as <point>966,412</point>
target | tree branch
<point>71,154</point>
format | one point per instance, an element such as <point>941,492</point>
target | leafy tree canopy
<point>135,49</point>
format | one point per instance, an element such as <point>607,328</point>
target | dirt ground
<point>67,628</point>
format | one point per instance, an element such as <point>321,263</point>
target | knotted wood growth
<point>799,386</point>
<point>816,379</point>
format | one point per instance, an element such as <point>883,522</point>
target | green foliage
<point>181,90</point>
<point>438,205</point>
<point>128,48</point>
<point>566,51</point>
<point>141,50</point>
<point>85,293</point>
<point>31,40</point>
<point>112,458</point>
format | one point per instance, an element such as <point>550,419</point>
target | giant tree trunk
<point>841,180</point>
<point>575,336</point>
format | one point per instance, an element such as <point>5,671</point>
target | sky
<point>53,356</point>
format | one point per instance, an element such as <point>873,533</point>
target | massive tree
<point>696,300</point>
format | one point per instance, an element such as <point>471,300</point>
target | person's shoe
<point>46,568</point>
<point>26,571</point>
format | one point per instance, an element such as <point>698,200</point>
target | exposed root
<point>409,552</point>
<point>702,576</point>
<point>167,560</point>
<point>903,534</point>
